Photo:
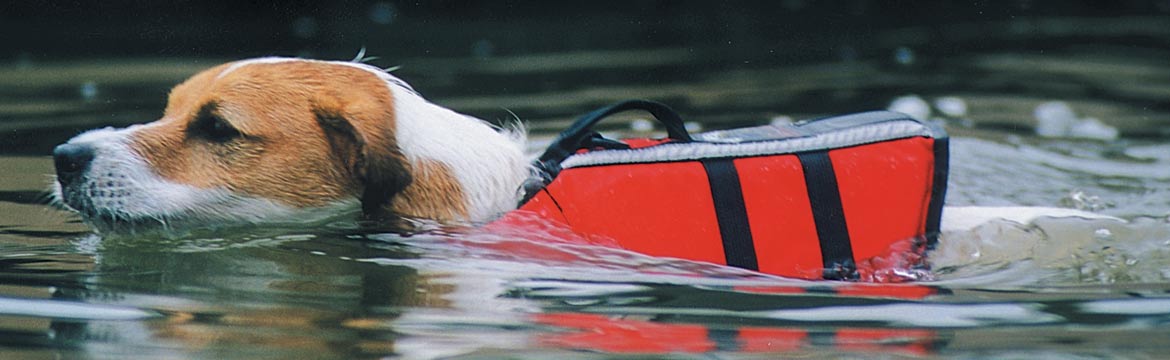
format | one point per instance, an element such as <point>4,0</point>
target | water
<point>1058,288</point>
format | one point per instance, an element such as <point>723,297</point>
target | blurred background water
<point>1050,103</point>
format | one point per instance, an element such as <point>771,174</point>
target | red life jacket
<point>841,198</point>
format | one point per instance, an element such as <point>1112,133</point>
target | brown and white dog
<point>285,139</point>
<point>267,139</point>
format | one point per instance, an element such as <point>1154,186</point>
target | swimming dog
<point>270,139</point>
<point>273,139</point>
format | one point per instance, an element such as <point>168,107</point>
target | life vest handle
<point>580,131</point>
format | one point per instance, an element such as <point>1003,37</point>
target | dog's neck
<point>488,167</point>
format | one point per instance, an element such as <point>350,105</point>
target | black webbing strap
<point>938,191</point>
<point>580,134</point>
<point>570,140</point>
<point>731,213</point>
<point>829,215</point>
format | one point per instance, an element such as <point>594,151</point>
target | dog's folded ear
<point>369,154</point>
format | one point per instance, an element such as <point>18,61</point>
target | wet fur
<point>307,135</point>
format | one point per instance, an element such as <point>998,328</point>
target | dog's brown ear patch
<point>376,164</point>
<point>429,191</point>
<point>358,118</point>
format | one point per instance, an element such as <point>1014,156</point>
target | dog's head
<point>266,138</point>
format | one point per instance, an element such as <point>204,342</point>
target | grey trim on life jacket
<point>830,133</point>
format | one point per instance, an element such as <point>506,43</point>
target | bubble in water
<point>641,125</point>
<point>1091,128</point>
<point>88,91</point>
<point>1103,234</point>
<point>911,105</point>
<point>1057,119</point>
<point>383,13</point>
<point>951,106</point>
<point>781,120</point>
<point>904,56</point>
<point>1053,118</point>
<point>1080,200</point>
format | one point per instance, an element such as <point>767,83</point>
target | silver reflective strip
<point>860,135</point>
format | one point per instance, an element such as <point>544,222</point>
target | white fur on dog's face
<point>122,188</point>
<point>266,139</point>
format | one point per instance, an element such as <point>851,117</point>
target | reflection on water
<point>1055,288</point>
<point>345,294</point>
<point>340,292</point>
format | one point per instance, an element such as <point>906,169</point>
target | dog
<point>272,139</point>
<point>285,139</point>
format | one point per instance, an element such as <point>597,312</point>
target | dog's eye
<point>216,129</point>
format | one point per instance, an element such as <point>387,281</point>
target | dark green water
<point>1060,288</point>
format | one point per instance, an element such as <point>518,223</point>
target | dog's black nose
<point>71,160</point>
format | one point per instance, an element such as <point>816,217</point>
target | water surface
<point>1059,288</point>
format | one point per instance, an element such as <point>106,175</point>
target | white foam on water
<point>57,309</point>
